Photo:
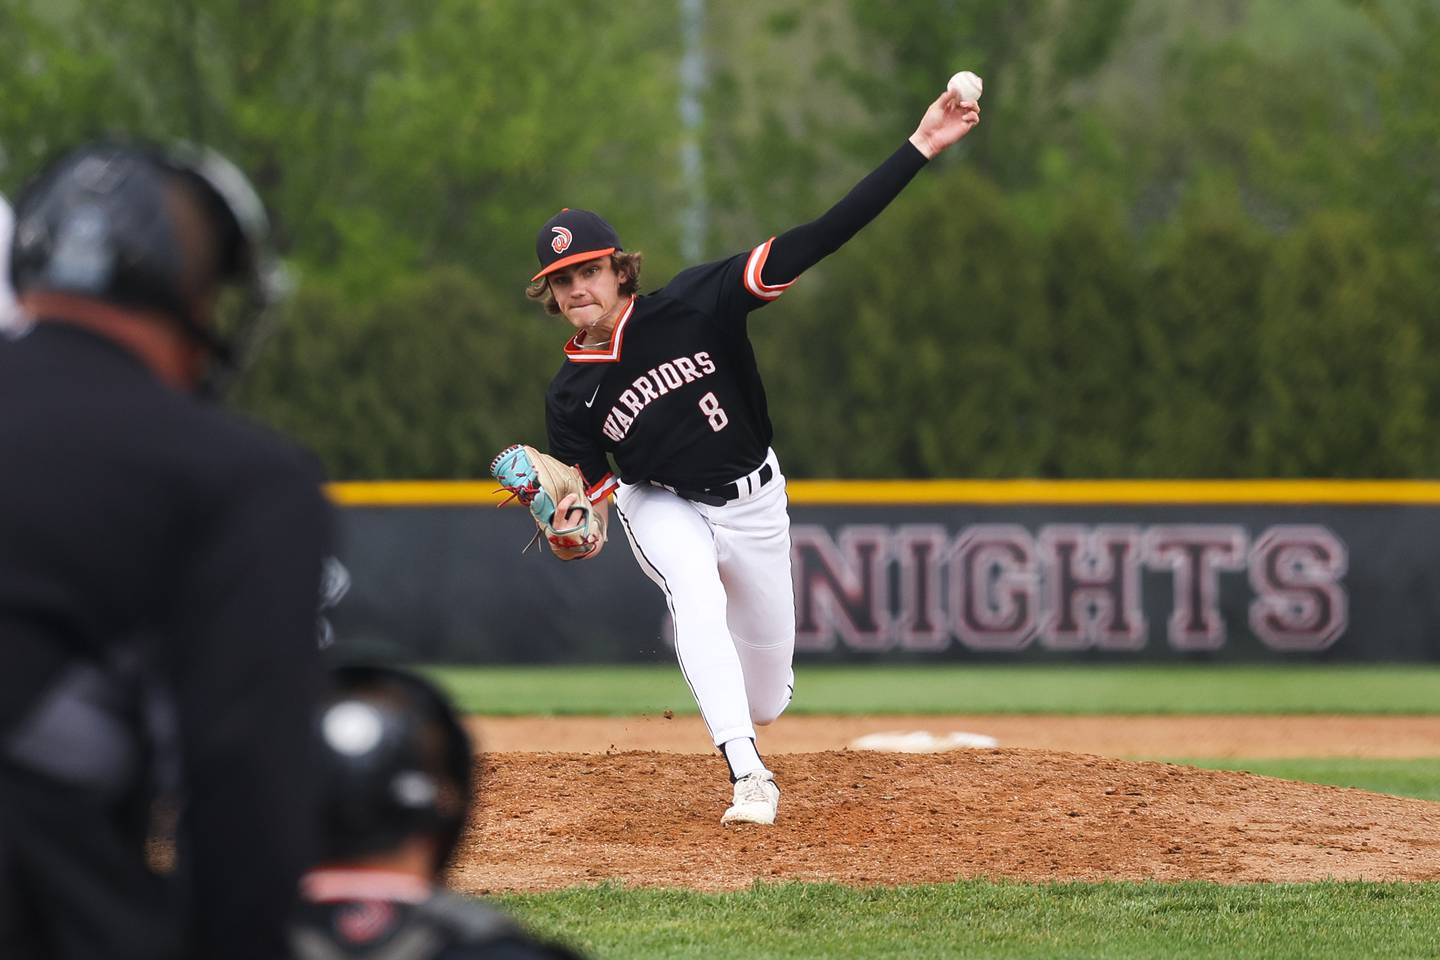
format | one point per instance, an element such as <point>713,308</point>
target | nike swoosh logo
<point>591,401</point>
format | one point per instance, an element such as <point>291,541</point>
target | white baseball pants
<point>725,572</point>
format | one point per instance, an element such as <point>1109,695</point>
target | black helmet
<point>101,221</point>
<point>397,763</point>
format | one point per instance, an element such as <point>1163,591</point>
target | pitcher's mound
<point>550,820</point>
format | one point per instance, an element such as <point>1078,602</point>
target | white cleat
<point>756,798</point>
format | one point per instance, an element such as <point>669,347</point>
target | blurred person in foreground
<point>160,562</point>
<point>7,296</point>
<point>398,769</point>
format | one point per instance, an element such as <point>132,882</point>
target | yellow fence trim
<point>415,493</point>
<point>1115,491</point>
<point>921,492</point>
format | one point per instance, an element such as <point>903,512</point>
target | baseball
<point>966,86</point>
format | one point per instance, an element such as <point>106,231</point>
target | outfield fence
<point>1107,571</point>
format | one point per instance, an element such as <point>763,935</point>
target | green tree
<point>1091,362</point>
<point>428,381</point>
<point>919,355</point>
<point>1202,309</point>
<point>1038,58</point>
<point>1342,386</point>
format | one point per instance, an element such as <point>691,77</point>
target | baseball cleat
<point>756,799</point>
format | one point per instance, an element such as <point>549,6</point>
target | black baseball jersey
<point>676,396</point>
<point>150,544</point>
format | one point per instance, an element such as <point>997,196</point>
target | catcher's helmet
<point>397,763</point>
<point>108,221</point>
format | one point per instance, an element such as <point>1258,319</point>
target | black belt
<point>721,495</point>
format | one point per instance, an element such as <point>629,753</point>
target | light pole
<point>694,214</point>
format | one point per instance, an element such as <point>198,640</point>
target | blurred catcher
<point>398,770</point>
<point>160,561</point>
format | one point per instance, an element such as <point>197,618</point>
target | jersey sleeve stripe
<point>753,268</point>
<point>603,489</point>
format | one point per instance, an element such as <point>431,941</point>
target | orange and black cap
<point>572,236</point>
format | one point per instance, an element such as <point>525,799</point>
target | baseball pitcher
<point>665,387</point>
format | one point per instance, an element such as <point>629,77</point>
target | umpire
<point>399,770</point>
<point>160,563</point>
<point>7,296</point>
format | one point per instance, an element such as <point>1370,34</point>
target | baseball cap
<point>572,236</point>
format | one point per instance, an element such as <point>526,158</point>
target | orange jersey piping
<point>753,268</point>
<point>602,489</point>
<point>578,354</point>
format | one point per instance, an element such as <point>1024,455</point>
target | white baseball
<point>966,86</point>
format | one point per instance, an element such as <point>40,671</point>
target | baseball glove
<point>540,482</point>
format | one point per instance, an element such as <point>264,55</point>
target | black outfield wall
<point>1346,575</point>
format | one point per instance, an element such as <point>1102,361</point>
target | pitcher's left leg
<point>753,538</point>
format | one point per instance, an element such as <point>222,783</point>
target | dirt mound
<point>653,819</point>
<point>1231,735</point>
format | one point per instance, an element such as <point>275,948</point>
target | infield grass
<point>1005,921</point>
<point>944,688</point>
<point>1418,778</point>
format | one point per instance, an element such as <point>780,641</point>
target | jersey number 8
<point>710,406</point>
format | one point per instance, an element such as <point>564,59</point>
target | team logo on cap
<point>561,241</point>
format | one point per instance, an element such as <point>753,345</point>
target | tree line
<point>1177,246</point>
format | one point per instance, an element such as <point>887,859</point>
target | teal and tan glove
<point>540,482</point>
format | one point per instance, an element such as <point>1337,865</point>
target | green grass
<point>1004,920</point>
<point>1403,778</point>
<point>946,688</point>
<point>996,920</point>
